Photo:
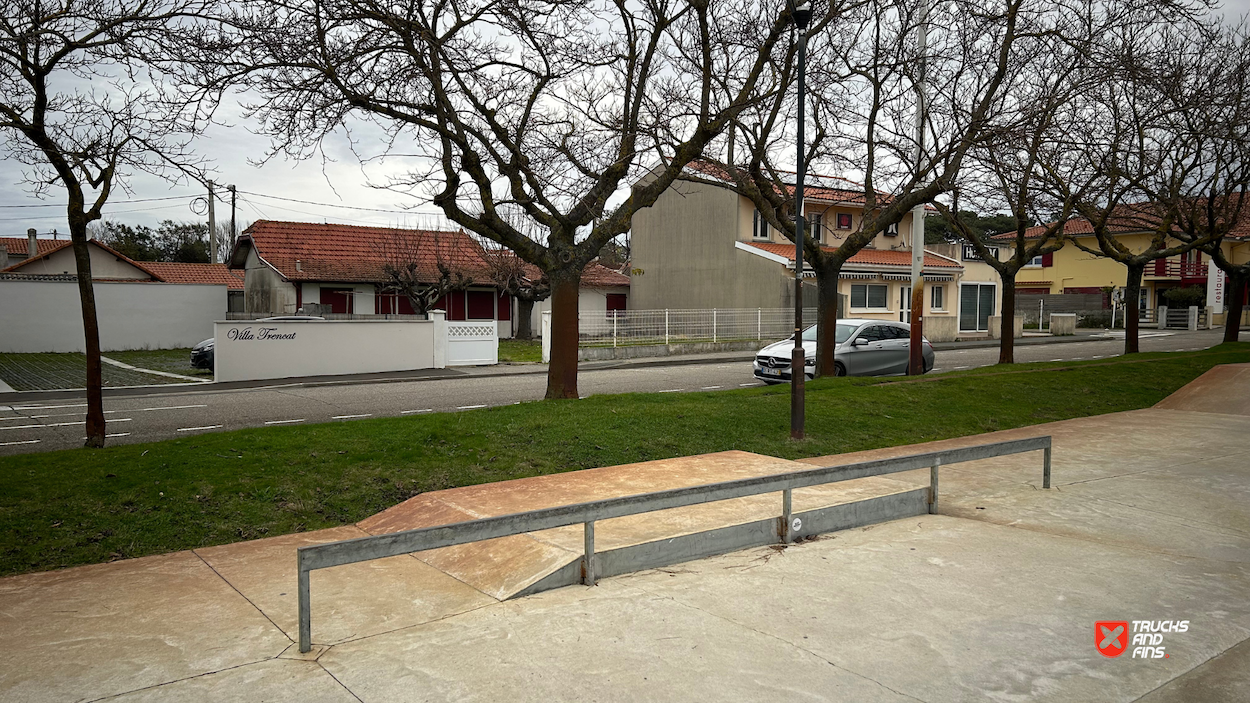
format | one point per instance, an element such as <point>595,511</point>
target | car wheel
<point>838,369</point>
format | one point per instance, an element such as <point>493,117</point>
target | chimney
<point>32,246</point>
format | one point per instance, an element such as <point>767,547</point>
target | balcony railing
<point>1176,268</point>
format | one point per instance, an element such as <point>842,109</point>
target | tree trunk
<point>1132,314</point>
<point>1007,320</point>
<point>562,372</point>
<point>1236,294</point>
<point>91,335</point>
<point>826,316</point>
<point>524,311</point>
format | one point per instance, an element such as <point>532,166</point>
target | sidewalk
<point>995,598</point>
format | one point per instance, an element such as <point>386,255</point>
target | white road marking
<point>470,407</point>
<point>672,390</point>
<point>757,383</point>
<point>409,412</point>
<point>166,407</point>
<point>956,368</point>
<point>25,441</point>
<point>709,388</point>
<point>59,424</point>
<point>193,429</point>
<point>282,422</point>
<point>349,417</point>
<point>115,434</point>
<point>46,407</point>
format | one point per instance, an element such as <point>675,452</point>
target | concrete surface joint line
<point>361,549</point>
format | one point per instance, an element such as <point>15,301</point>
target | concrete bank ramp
<point>512,566</point>
<point>1224,390</point>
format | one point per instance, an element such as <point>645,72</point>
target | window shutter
<point>1048,259</point>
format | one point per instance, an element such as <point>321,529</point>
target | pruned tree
<point>566,111</point>
<point>426,265</point>
<point>519,279</point>
<point>84,103</point>
<point>1167,148</point>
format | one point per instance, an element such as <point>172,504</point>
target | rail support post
<point>305,608</point>
<point>1046,467</point>
<point>787,516</point>
<point>588,559</point>
<point>933,486</point>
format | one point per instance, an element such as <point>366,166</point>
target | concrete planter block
<point>1063,324</point>
<point>941,328</point>
<point>996,325</point>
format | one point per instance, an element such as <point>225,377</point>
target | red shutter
<point>1048,259</point>
<point>481,305</point>
<point>505,307</point>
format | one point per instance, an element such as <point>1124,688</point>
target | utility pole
<point>212,226</point>
<point>798,357</point>
<point>234,232</point>
<point>915,365</point>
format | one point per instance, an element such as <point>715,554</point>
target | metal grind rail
<point>323,556</point>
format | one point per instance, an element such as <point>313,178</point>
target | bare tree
<point>519,279</point>
<point>424,266</point>
<point>1166,161</point>
<point>552,107</point>
<point>83,104</point>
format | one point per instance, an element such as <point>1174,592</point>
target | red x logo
<point>1111,637</point>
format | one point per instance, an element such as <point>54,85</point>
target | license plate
<point>770,372</point>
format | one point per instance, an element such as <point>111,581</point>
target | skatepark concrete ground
<point>994,598</point>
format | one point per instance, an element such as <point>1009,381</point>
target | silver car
<point>864,348</point>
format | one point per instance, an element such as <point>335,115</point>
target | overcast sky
<point>337,186</point>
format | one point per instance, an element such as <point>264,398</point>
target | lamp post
<point>802,14</point>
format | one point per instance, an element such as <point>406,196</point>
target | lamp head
<point>802,14</point>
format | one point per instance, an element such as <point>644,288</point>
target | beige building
<point>704,246</point>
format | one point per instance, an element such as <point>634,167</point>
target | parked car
<point>202,353</point>
<point>864,348</point>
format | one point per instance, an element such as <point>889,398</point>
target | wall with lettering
<point>253,349</point>
<point>46,316</point>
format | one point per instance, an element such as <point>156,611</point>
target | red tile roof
<point>303,251</point>
<point>816,187</point>
<point>1135,217</point>
<point>327,252</point>
<point>866,257</point>
<point>213,274</point>
<point>18,246</point>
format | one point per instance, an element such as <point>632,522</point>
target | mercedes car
<point>864,348</point>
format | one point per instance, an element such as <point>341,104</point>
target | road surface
<point>43,426</point>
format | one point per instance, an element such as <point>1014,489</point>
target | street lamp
<point>802,14</point>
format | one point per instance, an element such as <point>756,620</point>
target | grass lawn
<point>83,506</point>
<point>169,360</point>
<point>521,350</point>
<point>42,372</point>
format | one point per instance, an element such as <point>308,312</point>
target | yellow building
<point>1072,270</point>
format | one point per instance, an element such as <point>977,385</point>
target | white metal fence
<point>639,327</point>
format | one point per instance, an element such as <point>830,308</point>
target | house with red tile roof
<point>288,266</point>
<point>14,250</point>
<point>702,245</point>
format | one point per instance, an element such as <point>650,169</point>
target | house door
<point>976,304</point>
<point>904,304</point>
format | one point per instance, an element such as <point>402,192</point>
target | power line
<point>107,213</point>
<point>345,207</point>
<point>112,202</point>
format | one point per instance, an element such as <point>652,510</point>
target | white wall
<point>249,350</point>
<point>46,316</point>
<point>589,300</point>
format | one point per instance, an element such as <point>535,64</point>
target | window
<point>844,220</point>
<point>759,229</point>
<point>868,296</point>
<point>1034,263</point>
<point>937,298</point>
<point>481,305</point>
<point>617,303</point>
<point>815,225</point>
<point>891,230</point>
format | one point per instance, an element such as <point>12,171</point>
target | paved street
<point>46,425</point>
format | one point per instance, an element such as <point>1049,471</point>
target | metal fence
<point>323,556</point>
<point>622,328</point>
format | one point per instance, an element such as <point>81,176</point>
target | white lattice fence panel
<point>472,343</point>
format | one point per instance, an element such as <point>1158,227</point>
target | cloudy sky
<point>336,191</point>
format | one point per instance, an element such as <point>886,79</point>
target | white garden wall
<point>251,350</point>
<point>46,316</point>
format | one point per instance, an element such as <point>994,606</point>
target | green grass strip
<point>82,506</point>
